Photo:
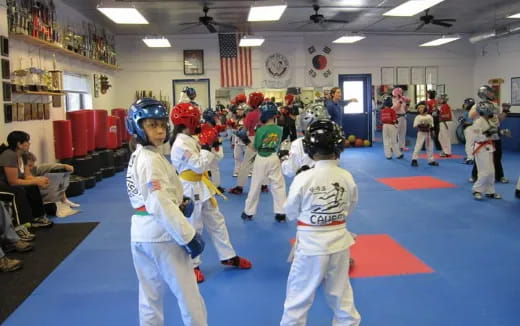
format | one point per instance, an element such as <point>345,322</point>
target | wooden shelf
<point>40,93</point>
<point>54,47</point>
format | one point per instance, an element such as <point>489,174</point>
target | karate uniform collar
<point>326,163</point>
<point>148,147</point>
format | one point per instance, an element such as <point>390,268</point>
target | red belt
<point>300,223</point>
<point>480,145</point>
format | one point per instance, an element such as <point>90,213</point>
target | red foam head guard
<point>256,99</point>
<point>186,114</point>
<point>240,98</point>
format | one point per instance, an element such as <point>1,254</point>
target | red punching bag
<point>122,113</point>
<point>100,129</point>
<point>113,136</point>
<point>91,139</point>
<point>78,124</point>
<point>62,139</point>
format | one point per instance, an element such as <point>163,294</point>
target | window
<point>353,89</point>
<point>78,95</point>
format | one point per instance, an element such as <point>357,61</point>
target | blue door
<point>357,117</point>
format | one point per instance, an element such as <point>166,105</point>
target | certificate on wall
<point>193,62</point>
<point>403,75</point>
<point>387,76</point>
<point>418,75</point>
<point>431,75</point>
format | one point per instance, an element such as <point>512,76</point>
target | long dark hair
<point>13,139</point>
<point>176,130</point>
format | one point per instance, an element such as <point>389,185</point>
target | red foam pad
<point>437,157</point>
<point>413,183</point>
<point>377,255</point>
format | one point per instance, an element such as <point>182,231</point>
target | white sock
<point>71,204</point>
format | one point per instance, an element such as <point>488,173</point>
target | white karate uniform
<point>186,154</point>
<point>390,140</point>
<point>468,147</point>
<point>445,136</point>
<point>266,170</point>
<point>239,149</point>
<point>400,109</point>
<point>157,239</point>
<point>483,157</point>
<point>297,159</point>
<point>321,199</point>
<point>214,168</point>
<point>423,136</point>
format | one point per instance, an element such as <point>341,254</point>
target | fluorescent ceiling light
<point>251,41</point>
<point>266,13</point>
<point>349,39</point>
<point>442,40</point>
<point>412,7</point>
<point>124,15</point>
<point>514,16</point>
<point>157,42</point>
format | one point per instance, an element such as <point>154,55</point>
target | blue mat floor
<point>473,248</point>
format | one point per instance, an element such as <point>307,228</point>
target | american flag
<point>235,62</point>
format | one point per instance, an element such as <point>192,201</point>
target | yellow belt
<point>192,176</point>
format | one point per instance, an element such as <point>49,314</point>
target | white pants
<point>162,265</point>
<point>445,136</point>
<point>390,140</point>
<point>268,170</point>
<point>306,275</point>
<point>518,184</point>
<point>468,147</point>
<point>245,167</point>
<point>206,215</point>
<point>423,137</point>
<point>401,131</point>
<point>238,155</point>
<point>486,170</point>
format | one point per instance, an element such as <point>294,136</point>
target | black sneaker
<point>400,156</point>
<point>389,158</point>
<point>517,193</point>
<point>433,163</point>
<point>222,190</point>
<point>246,217</point>
<point>280,218</point>
<point>477,195</point>
<point>494,196</point>
<point>414,163</point>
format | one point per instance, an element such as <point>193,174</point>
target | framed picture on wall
<point>440,89</point>
<point>403,75</point>
<point>418,75</point>
<point>193,62</point>
<point>515,91</point>
<point>387,76</point>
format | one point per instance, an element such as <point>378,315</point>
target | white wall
<point>41,131</point>
<point>498,58</point>
<point>154,69</point>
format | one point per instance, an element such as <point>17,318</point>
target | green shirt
<point>267,139</point>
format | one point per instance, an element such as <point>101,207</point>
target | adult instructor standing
<point>335,106</point>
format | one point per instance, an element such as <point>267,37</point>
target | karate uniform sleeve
<point>292,164</point>
<point>416,121</point>
<point>292,205</point>
<point>197,161</point>
<point>219,155</point>
<point>161,204</point>
<point>353,200</point>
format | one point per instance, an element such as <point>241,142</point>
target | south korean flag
<point>319,66</point>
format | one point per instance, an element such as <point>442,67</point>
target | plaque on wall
<point>4,45</point>
<point>27,111</point>
<point>7,91</point>
<point>8,112</point>
<point>387,76</point>
<point>403,75</point>
<point>47,111</point>
<point>6,70</point>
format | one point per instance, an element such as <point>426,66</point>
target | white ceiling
<point>472,16</point>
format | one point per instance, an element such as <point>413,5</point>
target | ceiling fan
<point>317,18</point>
<point>208,22</point>
<point>429,19</point>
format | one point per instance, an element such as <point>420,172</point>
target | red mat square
<point>379,255</point>
<point>412,183</point>
<point>437,157</point>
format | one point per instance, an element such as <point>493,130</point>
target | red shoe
<point>265,188</point>
<point>236,190</point>
<point>198,275</point>
<point>238,262</point>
